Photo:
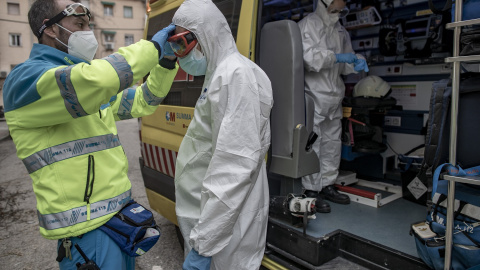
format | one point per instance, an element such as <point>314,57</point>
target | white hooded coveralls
<point>221,183</point>
<point>323,37</point>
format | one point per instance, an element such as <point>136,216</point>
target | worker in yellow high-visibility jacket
<point>61,107</point>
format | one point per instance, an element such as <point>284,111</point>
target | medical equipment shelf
<point>456,59</point>
<point>473,180</point>
<point>462,23</point>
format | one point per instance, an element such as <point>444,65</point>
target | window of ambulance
<point>186,88</point>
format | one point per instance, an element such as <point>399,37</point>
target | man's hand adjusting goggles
<point>182,43</point>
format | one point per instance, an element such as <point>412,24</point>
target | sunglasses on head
<point>76,9</point>
<point>182,43</point>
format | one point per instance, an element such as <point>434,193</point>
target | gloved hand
<point>346,58</point>
<point>161,37</point>
<point>195,261</point>
<point>168,49</point>
<point>360,64</point>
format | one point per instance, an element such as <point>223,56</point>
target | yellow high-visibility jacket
<point>61,114</point>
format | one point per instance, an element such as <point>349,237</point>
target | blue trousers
<point>99,248</point>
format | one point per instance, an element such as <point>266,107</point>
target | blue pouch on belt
<point>133,229</point>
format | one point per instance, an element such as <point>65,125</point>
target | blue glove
<point>168,49</point>
<point>195,261</point>
<point>346,58</point>
<point>161,38</point>
<point>360,64</point>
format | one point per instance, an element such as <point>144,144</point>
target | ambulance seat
<point>281,57</point>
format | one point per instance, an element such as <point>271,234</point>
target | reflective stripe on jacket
<point>61,113</point>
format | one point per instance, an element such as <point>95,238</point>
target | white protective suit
<point>323,37</point>
<point>221,183</point>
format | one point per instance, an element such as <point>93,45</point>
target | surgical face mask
<point>81,44</point>
<point>333,18</point>
<point>194,63</point>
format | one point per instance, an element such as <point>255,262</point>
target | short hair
<point>41,10</point>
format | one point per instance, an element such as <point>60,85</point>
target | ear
<point>50,31</point>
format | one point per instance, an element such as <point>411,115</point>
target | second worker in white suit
<point>221,183</point>
<point>327,54</point>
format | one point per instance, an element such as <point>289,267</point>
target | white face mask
<point>194,63</point>
<point>81,44</point>
<point>333,17</point>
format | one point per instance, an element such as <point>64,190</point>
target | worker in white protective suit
<point>327,54</point>
<point>221,183</point>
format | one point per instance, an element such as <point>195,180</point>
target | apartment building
<point>116,24</point>
<point>16,38</point>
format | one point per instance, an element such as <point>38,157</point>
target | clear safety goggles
<point>341,12</point>
<point>182,43</point>
<point>76,9</point>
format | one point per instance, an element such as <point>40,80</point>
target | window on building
<point>13,8</point>
<point>128,40</point>
<point>109,37</point>
<point>107,9</point>
<point>15,40</point>
<point>127,12</point>
<point>109,40</point>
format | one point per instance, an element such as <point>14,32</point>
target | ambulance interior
<point>382,140</point>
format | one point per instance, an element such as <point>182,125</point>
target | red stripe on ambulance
<point>159,159</point>
<point>172,161</point>
<point>165,161</point>
<point>152,157</point>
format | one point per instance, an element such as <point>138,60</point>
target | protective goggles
<point>182,43</point>
<point>76,9</point>
<point>341,12</point>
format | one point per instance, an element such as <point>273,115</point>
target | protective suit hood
<point>327,2</point>
<point>321,11</point>
<point>213,34</point>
